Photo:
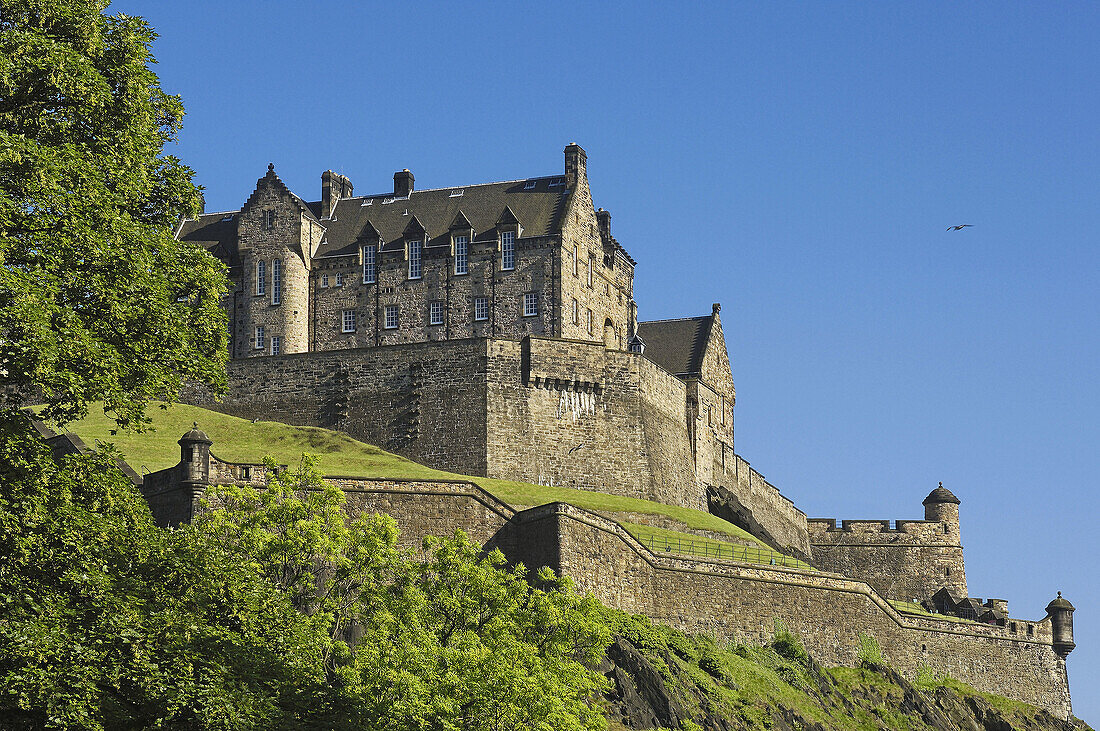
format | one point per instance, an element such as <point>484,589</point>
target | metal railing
<point>710,549</point>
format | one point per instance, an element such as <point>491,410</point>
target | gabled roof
<point>215,232</point>
<point>532,201</point>
<point>677,345</point>
<point>272,179</point>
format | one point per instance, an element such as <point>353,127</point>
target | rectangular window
<point>435,313</point>
<point>261,277</point>
<point>576,313</point>
<point>414,259</point>
<point>260,337</point>
<point>590,322</point>
<point>368,264</point>
<point>276,344</point>
<point>349,321</point>
<point>462,255</point>
<point>339,280</point>
<point>269,219</point>
<point>481,308</point>
<point>590,260</point>
<point>391,317</point>
<point>576,258</point>
<point>508,250</point>
<point>276,282</point>
<point>324,281</point>
<point>530,304</point>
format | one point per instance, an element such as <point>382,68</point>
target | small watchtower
<point>941,506</point>
<point>1060,612</point>
<point>195,458</point>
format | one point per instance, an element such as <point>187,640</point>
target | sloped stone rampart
<point>741,602</point>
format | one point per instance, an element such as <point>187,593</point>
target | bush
<point>787,644</point>
<point>870,654</point>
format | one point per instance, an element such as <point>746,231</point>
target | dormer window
<point>462,254</point>
<point>507,250</point>
<point>415,249</point>
<point>368,264</point>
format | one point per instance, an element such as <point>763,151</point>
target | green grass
<point>660,539</point>
<point>240,440</point>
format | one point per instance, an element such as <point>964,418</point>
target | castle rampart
<point>543,410</point>
<point>911,560</point>
<point>728,599</point>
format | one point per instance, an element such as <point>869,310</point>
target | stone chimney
<point>402,183</point>
<point>604,219</point>
<point>334,186</point>
<point>576,165</point>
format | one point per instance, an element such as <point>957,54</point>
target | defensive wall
<point>731,600</point>
<point>544,410</point>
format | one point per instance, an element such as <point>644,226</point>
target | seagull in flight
<point>960,227</point>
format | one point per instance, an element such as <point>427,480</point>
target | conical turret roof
<point>195,435</point>
<point>941,495</point>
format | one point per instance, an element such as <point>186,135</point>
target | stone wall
<point>426,403</point>
<point>910,561</point>
<point>740,602</point>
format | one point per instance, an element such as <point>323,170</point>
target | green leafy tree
<point>97,300</point>
<point>447,639</point>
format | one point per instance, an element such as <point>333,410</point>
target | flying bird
<point>960,227</point>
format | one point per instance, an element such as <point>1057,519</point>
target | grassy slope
<point>240,440</point>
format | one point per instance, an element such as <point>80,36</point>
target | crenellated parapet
<point>908,560</point>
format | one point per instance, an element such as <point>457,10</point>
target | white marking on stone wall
<point>576,404</point>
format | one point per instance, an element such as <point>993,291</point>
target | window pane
<point>508,250</point>
<point>368,264</point>
<point>414,259</point>
<point>462,260</point>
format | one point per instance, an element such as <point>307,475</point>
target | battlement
<point>929,531</point>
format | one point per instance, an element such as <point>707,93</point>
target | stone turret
<point>942,506</point>
<point>195,458</point>
<point>1060,612</point>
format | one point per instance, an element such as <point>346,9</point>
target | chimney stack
<point>576,162</point>
<point>334,186</point>
<point>402,184</point>
<point>604,219</point>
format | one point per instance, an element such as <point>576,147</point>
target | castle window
<point>391,317</point>
<point>349,321</point>
<point>481,308</point>
<point>269,218</point>
<point>368,264</point>
<point>946,570</point>
<point>339,280</point>
<point>276,282</point>
<point>246,473</point>
<point>590,319</point>
<point>324,281</point>
<point>508,250</point>
<point>462,255</point>
<point>576,258</point>
<point>276,344</point>
<point>530,304</point>
<point>435,312</point>
<point>261,277</point>
<point>576,312</point>
<point>259,343</point>
<point>414,259</point>
<point>591,258</point>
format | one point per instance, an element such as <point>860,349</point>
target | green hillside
<point>241,440</point>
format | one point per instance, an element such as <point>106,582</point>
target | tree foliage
<point>97,300</point>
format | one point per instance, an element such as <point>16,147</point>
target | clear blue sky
<point>797,162</point>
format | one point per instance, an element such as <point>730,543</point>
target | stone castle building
<point>492,330</point>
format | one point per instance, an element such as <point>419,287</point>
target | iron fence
<point>710,549</point>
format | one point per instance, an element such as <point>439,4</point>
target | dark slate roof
<point>538,209</point>
<point>215,232</point>
<point>940,495</point>
<point>677,345</point>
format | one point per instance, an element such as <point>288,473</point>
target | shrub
<point>870,654</point>
<point>787,644</point>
